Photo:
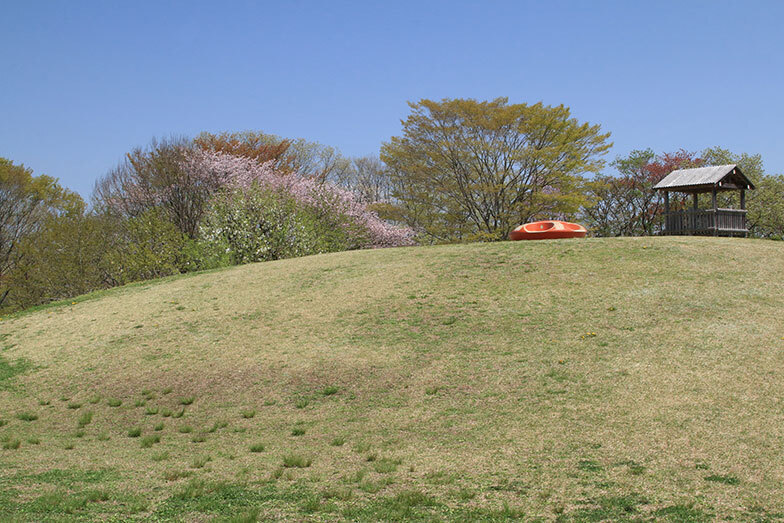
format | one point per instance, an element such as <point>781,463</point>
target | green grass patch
<point>329,391</point>
<point>148,441</point>
<point>85,419</point>
<point>26,416</point>
<point>299,461</point>
<point>719,478</point>
<point>8,370</point>
<point>12,443</point>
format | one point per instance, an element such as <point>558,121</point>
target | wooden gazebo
<point>713,221</point>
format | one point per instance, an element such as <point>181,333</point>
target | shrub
<point>257,447</point>
<point>134,432</point>
<point>258,225</point>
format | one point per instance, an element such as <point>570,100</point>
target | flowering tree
<point>181,180</point>
<point>238,172</point>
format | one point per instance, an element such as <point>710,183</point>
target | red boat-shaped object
<point>548,230</point>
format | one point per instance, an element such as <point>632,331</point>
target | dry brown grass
<point>475,362</point>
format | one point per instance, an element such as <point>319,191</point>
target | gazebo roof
<point>702,179</point>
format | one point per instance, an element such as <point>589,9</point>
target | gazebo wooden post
<point>667,221</point>
<point>743,207</point>
<point>715,212</point>
<point>693,219</point>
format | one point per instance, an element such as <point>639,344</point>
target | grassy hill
<point>581,379</point>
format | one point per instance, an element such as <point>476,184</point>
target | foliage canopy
<point>466,169</point>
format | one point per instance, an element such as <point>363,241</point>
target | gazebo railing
<point>707,221</point>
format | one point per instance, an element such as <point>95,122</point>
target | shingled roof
<point>723,177</point>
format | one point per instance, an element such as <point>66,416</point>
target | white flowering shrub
<point>260,224</point>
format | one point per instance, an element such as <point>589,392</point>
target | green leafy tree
<point>63,258</point>
<point>26,202</point>
<point>142,248</point>
<point>765,204</point>
<point>466,169</point>
<point>78,253</point>
<point>766,208</point>
<point>750,164</point>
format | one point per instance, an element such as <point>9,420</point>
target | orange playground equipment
<point>548,230</point>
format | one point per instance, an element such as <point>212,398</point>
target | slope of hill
<point>582,380</point>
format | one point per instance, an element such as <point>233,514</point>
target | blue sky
<point>83,82</point>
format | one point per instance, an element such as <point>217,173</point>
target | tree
<point>766,208</point>
<point>368,178</point>
<point>750,164</point>
<point>26,201</point>
<point>465,169</point>
<point>626,204</point>
<point>287,155</point>
<point>160,176</point>
<point>81,252</point>
<point>331,204</point>
<point>251,144</point>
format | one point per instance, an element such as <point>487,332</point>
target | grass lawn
<point>579,380</point>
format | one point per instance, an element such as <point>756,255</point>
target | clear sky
<point>82,82</point>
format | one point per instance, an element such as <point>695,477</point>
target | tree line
<point>460,170</point>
